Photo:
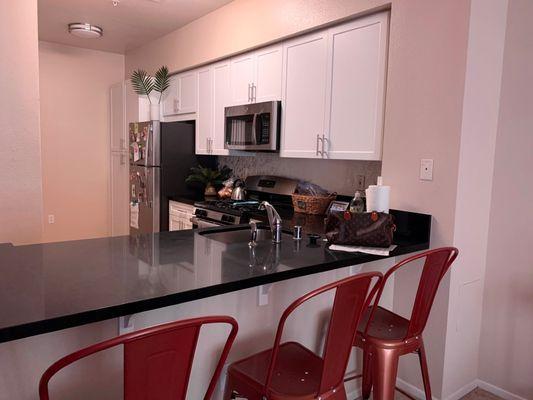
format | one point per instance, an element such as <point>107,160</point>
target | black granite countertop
<point>52,286</point>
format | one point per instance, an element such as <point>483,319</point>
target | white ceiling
<point>130,24</point>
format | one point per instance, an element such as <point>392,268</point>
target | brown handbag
<point>372,229</point>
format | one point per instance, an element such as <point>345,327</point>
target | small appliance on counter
<point>161,156</point>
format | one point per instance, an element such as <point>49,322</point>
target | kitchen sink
<point>241,235</point>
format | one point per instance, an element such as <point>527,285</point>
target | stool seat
<point>297,374</point>
<point>385,325</point>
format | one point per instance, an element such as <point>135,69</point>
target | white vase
<point>154,112</point>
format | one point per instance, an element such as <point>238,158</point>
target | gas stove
<point>276,190</point>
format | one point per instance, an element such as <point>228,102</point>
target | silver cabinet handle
<point>324,140</point>
<point>249,93</point>
<point>318,139</point>
<point>207,145</point>
<point>175,105</point>
<point>254,92</point>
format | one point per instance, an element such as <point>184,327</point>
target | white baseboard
<point>498,391</point>
<point>419,393</point>
<point>412,390</point>
<point>463,391</point>
<point>354,394</point>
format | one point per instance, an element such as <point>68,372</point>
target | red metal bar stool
<point>385,336</point>
<point>153,357</point>
<point>291,371</point>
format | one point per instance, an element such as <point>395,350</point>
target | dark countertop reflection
<point>48,287</point>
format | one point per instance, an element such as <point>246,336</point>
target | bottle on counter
<point>357,204</point>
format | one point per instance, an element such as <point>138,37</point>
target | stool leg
<point>367,374</point>
<point>384,371</point>
<point>425,373</point>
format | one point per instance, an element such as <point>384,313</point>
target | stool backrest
<point>352,296</point>
<point>157,360</point>
<point>436,264</point>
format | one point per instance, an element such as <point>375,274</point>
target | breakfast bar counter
<point>53,286</point>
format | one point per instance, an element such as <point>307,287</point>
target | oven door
<point>252,126</point>
<point>199,223</point>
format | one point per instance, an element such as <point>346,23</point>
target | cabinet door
<point>242,77</point>
<point>204,115</point>
<point>356,97</point>
<point>117,113</point>
<point>187,92</point>
<point>174,223</point>
<point>119,193</point>
<point>222,99</point>
<point>170,98</point>
<point>303,94</point>
<point>268,64</point>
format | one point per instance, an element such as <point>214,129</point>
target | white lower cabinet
<point>179,216</point>
<point>119,176</point>
<point>334,91</point>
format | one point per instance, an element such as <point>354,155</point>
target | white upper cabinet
<point>181,96</point>
<point>256,76</point>
<point>305,65</point>
<point>187,92</point>
<point>169,103</point>
<point>204,115</point>
<point>268,68</point>
<point>334,91</point>
<point>356,93</point>
<point>222,98</point>
<point>242,78</point>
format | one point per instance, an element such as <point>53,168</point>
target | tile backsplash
<point>335,175</point>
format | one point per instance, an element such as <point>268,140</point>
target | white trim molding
<point>498,391</point>
<point>478,383</point>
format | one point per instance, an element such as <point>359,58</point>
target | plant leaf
<point>162,79</point>
<point>142,83</point>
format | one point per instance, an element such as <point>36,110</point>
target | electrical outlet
<point>51,218</point>
<point>360,182</point>
<point>426,169</point>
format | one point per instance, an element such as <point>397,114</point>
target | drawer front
<point>176,208</point>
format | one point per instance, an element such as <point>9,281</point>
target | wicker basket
<point>312,204</point>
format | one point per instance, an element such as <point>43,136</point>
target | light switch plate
<point>426,169</point>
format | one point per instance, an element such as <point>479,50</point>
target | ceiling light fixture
<point>85,30</point>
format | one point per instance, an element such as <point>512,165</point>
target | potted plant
<point>209,178</point>
<point>143,84</point>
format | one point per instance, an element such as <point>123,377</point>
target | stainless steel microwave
<point>253,126</point>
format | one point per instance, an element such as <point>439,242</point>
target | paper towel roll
<point>377,198</point>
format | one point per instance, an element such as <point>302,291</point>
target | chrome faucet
<point>274,220</point>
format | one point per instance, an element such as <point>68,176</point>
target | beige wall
<point>75,139</point>
<point>506,355</point>
<point>424,101</point>
<point>20,152</point>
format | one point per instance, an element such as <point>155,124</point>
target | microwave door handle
<point>254,130</point>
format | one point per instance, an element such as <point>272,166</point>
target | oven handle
<point>202,223</point>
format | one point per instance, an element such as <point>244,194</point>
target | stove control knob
<point>201,213</point>
<point>230,219</point>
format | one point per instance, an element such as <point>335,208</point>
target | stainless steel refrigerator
<point>161,156</point>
